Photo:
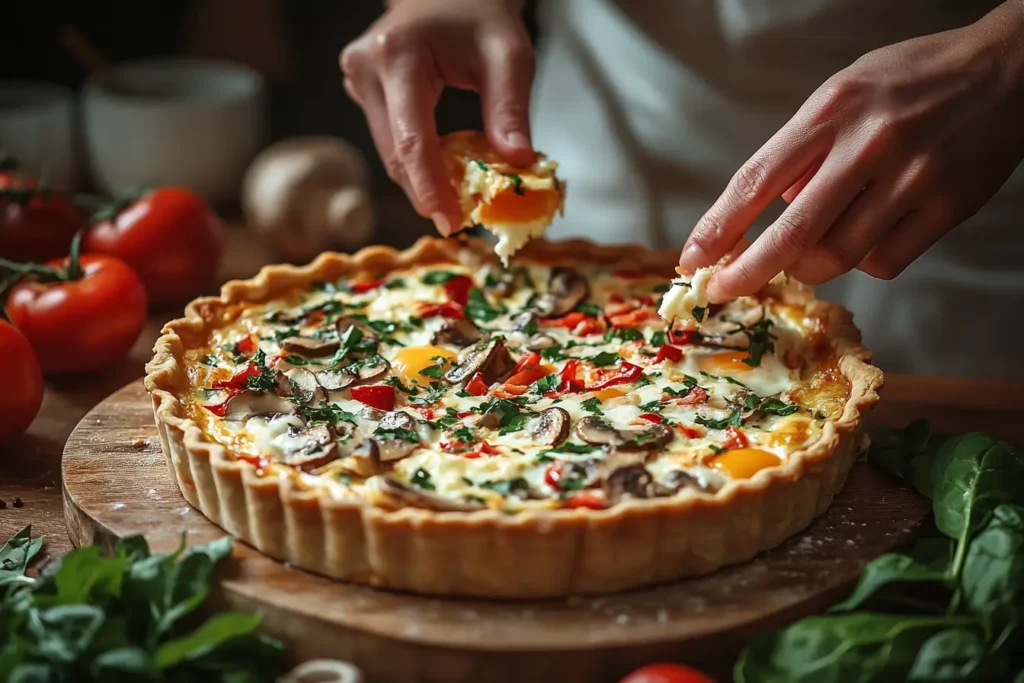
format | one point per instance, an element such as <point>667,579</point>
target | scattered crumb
<point>139,443</point>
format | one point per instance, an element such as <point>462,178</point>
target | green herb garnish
<point>517,183</point>
<point>438,277</point>
<point>734,420</point>
<point>480,309</point>
<point>421,480</point>
<point>592,405</point>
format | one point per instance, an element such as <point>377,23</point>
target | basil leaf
<point>592,405</point>
<point>545,384</point>
<point>478,308</point>
<point>603,359</point>
<point>438,277</point>
<point>553,353</point>
<point>733,420</point>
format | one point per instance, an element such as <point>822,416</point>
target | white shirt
<point>650,106</point>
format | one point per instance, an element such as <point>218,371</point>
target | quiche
<point>430,420</point>
<point>516,204</point>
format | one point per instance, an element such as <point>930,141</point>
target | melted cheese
<point>696,397</point>
<point>685,298</point>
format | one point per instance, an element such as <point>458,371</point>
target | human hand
<point>883,160</point>
<point>398,68</point>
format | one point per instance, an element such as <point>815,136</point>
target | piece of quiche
<point>515,204</point>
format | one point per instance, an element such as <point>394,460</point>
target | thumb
<point>505,95</point>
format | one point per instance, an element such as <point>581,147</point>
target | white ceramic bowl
<point>193,123</point>
<point>37,125</point>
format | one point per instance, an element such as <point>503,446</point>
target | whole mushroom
<point>306,195</point>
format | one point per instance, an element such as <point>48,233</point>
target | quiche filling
<point>454,388</point>
<point>514,204</point>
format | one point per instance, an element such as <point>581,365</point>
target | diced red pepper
<point>365,286</point>
<point>589,326</point>
<point>553,474</point>
<point>464,414</point>
<point>247,346</point>
<point>651,417</point>
<point>616,298</point>
<point>568,321</point>
<point>379,396</point>
<point>427,413</point>
<point>510,391</point>
<point>734,438</point>
<point>527,371</point>
<point>484,449</point>
<point>624,374</point>
<point>218,409</point>
<point>569,382</point>
<point>458,288</point>
<point>587,500</point>
<point>448,309</point>
<point>670,353</point>
<point>696,396</point>
<point>690,432</point>
<point>634,318</point>
<point>240,380</point>
<point>476,385</point>
<point>683,336</point>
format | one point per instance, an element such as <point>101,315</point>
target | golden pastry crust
<point>537,552</point>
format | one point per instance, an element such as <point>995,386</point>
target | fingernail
<point>692,258</point>
<point>441,221</point>
<point>517,139</point>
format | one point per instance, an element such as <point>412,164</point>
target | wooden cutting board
<point>115,484</point>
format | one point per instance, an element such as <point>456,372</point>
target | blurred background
<point>176,121</point>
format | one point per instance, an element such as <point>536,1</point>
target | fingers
<point>870,216</point>
<point>508,66</point>
<point>800,226</point>
<point>416,147</point>
<point>913,235</point>
<point>771,171</point>
<point>789,195</point>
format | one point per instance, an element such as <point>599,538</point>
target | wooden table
<point>30,470</point>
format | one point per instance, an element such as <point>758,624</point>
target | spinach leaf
<point>971,476</point>
<point>16,555</point>
<point>214,632</point>
<point>955,654</point>
<point>928,564</point>
<point>906,453</point>
<point>478,308</point>
<point>438,277</point>
<point>993,570</point>
<point>734,420</point>
<point>860,646</point>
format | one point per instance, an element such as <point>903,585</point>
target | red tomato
<point>34,226</point>
<point>667,673</point>
<point>23,383</point>
<point>81,325</point>
<point>379,396</point>
<point>734,438</point>
<point>169,236</point>
<point>366,286</point>
<point>669,353</point>
<point>651,417</point>
<point>448,309</point>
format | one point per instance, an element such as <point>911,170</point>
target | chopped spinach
<point>590,309</point>
<point>478,308</point>
<point>438,277</point>
<point>517,183</point>
<point>603,359</point>
<point>325,411</point>
<point>592,405</point>
<point>506,487</point>
<point>734,420</point>
<point>421,480</point>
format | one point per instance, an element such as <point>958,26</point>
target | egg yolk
<point>743,463</point>
<point>610,392</point>
<point>791,431</point>
<point>509,207</point>
<point>408,362</point>
<point>726,363</point>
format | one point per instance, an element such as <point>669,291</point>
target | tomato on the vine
<point>79,314</point>
<point>23,383</point>
<point>667,673</point>
<point>36,224</point>
<point>169,236</point>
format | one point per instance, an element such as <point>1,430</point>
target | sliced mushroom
<point>304,386</point>
<point>372,368</point>
<point>623,475</point>
<point>458,331</point>
<point>567,289</point>
<point>550,428</point>
<point>364,459</point>
<point>309,347</point>
<point>597,432</point>
<point>488,356</point>
<point>315,448</point>
<point>335,380</point>
<point>251,403</point>
<point>678,480</point>
<point>539,342</point>
<point>522,321</point>
<point>398,419</point>
<point>413,497</point>
<point>371,413</point>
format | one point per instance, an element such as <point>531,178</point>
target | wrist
<point>1002,32</point>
